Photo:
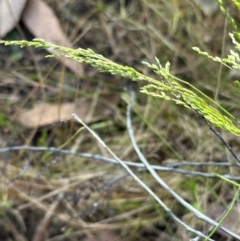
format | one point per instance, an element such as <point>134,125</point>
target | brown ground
<point>63,197</point>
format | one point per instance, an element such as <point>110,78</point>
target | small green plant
<point>166,86</point>
<point>230,207</point>
<point>3,121</point>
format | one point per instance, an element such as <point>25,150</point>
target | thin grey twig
<point>137,179</point>
<point>163,184</point>
<point>200,164</point>
<point>170,167</point>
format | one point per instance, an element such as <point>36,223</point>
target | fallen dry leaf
<point>41,21</point>
<point>231,222</point>
<point>213,211</point>
<point>47,113</point>
<point>10,13</point>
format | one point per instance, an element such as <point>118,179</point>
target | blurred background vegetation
<point>46,196</point>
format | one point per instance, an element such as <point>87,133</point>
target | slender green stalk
<point>166,87</point>
<point>229,209</point>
